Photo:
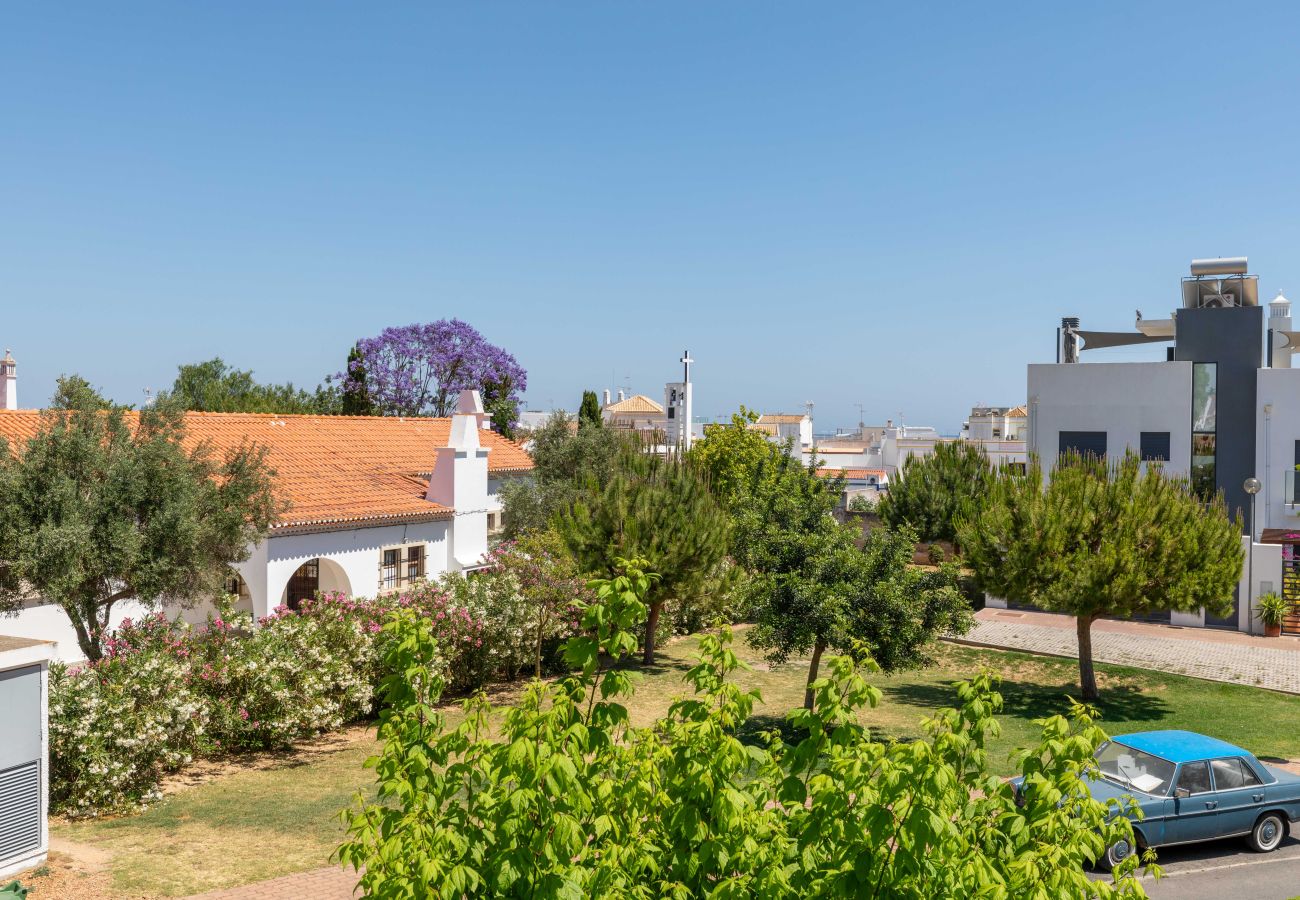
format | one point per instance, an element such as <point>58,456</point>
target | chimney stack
<point>460,482</point>
<point>620,395</point>
<point>8,382</point>
<point>606,403</point>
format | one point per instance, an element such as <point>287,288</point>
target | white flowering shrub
<point>116,728</point>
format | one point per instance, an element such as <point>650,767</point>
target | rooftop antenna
<point>861,424</point>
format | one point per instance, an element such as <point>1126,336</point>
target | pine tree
<point>658,510</point>
<point>932,491</point>
<point>1103,540</point>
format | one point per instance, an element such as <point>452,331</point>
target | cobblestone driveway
<point>1262,662</point>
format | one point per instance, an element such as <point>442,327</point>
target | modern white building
<point>373,504</point>
<point>1221,407</point>
<point>24,753</point>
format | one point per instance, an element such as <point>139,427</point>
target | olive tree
<point>102,505</point>
<point>1097,539</point>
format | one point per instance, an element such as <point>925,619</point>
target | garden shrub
<point>565,798</point>
<point>116,728</point>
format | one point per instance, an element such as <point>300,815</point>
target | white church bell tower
<point>678,407</point>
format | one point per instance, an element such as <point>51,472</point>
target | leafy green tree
<point>355,395</point>
<point>564,460</point>
<point>1103,540</point>
<point>740,462</point>
<point>933,490</point>
<point>212,386</point>
<point>589,413</point>
<point>655,509</point>
<point>98,508</point>
<point>561,797</point>
<point>869,600</point>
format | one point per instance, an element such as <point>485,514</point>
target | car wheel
<point>1116,853</point>
<point>1268,833</point>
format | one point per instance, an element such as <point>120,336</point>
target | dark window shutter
<point>1084,443</point>
<point>1155,446</point>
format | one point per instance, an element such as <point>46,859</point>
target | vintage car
<point>1194,788</point>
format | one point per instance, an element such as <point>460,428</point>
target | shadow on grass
<point>756,726</point>
<point>1037,701</point>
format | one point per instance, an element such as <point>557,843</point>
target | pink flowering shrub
<point>166,692</point>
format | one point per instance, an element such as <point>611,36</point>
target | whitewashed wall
<point>1277,425</point>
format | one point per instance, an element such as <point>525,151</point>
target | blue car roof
<point>1180,746</point>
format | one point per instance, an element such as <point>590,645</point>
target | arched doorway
<point>303,584</point>
<point>320,575</point>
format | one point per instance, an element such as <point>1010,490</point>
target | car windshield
<point>1133,768</point>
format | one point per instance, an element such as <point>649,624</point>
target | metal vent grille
<point>20,810</point>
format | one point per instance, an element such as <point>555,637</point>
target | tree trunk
<point>651,626</point>
<point>89,646</point>
<point>1087,677</point>
<point>813,666</point>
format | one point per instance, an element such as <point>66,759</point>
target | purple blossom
<point>420,370</point>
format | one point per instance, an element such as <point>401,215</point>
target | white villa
<point>373,504</point>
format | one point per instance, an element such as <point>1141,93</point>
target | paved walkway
<point>334,883</point>
<point>1199,652</point>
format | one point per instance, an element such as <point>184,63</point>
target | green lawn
<point>264,822</point>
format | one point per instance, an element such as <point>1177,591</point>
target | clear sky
<point>890,204</point>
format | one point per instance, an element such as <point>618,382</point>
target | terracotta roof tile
<point>331,469</point>
<point>779,419</point>
<point>851,474</point>
<point>637,403</point>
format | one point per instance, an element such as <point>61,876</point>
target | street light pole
<point>1251,486</point>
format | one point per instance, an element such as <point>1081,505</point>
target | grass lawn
<point>264,820</point>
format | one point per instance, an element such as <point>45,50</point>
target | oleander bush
<point>166,692</point>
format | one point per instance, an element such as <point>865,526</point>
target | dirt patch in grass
<point>203,771</point>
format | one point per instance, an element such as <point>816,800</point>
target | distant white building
<point>795,428</point>
<point>8,382</point>
<point>636,413</point>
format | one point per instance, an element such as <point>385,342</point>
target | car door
<point>1195,805</point>
<point>1239,793</point>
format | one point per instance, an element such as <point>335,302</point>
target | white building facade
<point>374,504</point>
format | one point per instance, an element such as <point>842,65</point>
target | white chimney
<point>469,403</point>
<point>460,481</point>
<point>8,382</point>
<point>1279,320</point>
<point>606,403</point>
<point>620,395</point>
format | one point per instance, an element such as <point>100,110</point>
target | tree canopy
<point>589,413</point>
<point>563,797</point>
<point>213,386</point>
<point>655,509</point>
<point>1120,540</point>
<point>564,460</point>
<point>96,509</point>
<point>420,370</point>
<point>932,491</point>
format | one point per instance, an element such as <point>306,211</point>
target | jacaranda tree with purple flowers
<point>420,369</point>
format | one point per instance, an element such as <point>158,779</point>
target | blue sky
<point>843,203</point>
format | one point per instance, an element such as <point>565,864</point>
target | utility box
<point>24,753</point>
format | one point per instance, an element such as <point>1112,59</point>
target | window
<point>1155,446</point>
<point>1084,443</point>
<point>1204,428</point>
<point>1132,767</point>
<point>400,566</point>
<point>1233,773</point>
<point>1194,778</point>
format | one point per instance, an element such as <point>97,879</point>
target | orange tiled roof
<point>331,470</point>
<point>637,403</point>
<point>779,419</point>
